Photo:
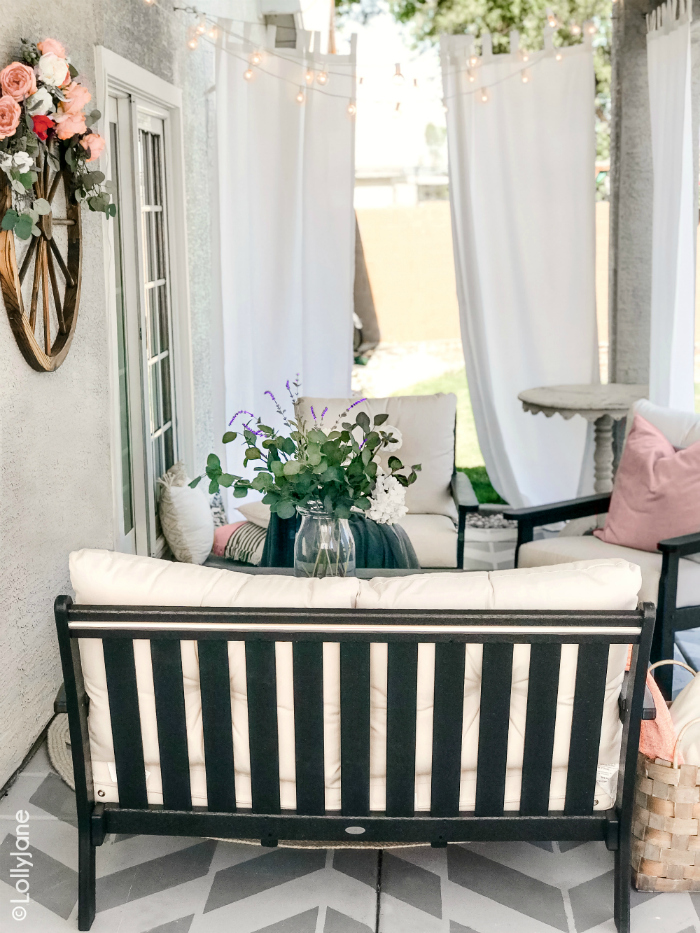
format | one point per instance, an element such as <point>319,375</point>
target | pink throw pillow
<point>221,536</point>
<point>656,493</point>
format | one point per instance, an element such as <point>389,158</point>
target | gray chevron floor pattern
<point>184,885</point>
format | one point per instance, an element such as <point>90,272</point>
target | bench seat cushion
<point>563,550</point>
<point>106,578</point>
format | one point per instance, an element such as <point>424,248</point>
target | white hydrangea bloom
<point>388,500</point>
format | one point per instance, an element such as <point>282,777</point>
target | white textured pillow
<point>256,512</point>
<point>188,523</point>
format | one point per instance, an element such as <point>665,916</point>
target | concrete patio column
<point>631,196</point>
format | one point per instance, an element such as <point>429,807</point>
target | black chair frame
<point>450,631</point>
<point>669,619</point>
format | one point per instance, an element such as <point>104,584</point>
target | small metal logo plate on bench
<point>355,830</point>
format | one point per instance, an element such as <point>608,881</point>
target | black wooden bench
<point>450,631</point>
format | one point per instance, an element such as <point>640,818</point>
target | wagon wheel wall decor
<point>40,276</point>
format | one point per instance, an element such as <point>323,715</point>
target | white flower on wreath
<point>52,70</point>
<point>19,162</point>
<point>388,501</point>
<point>396,444</point>
<point>40,103</point>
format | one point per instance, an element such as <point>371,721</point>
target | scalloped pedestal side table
<point>601,404</point>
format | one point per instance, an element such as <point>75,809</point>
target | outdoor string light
<point>212,31</point>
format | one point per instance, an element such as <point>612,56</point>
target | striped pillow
<point>246,543</point>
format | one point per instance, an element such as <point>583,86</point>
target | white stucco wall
<point>55,466</point>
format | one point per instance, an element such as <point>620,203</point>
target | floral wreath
<point>42,116</point>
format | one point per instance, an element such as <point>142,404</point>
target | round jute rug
<point>58,742</point>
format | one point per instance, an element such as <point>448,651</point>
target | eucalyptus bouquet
<point>310,464</point>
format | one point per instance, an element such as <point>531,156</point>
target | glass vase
<point>324,545</point>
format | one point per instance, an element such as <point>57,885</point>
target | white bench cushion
<point>434,539</point>
<point>427,423</point>
<point>106,578</point>
<point>563,550</point>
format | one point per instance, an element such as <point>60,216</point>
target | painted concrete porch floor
<point>180,885</point>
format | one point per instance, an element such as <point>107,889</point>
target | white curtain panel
<point>522,189</point>
<point>286,180</point>
<point>675,208</point>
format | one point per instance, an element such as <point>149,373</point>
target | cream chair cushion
<point>681,428</point>
<point>434,539</point>
<point>106,578</point>
<point>427,423</point>
<point>563,550</point>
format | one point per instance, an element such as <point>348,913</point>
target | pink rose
<point>51,47</point>
<point>95,145</point>
<point>10,112</point>
<point>17,81</point>
<point>72,124</point>
<point>77,96</point>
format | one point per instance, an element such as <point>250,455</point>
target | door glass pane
<point>158,308</point>
<point>122,363</point>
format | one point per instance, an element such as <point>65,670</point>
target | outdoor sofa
<point>434,708</point>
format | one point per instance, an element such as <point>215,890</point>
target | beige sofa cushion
<point>106,578</point>
<point>434,539</point>
<point>563,550</point>
<point>427,423</point>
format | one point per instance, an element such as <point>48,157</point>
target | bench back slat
<point>402,680</point>
<point>166,658</point>
<point>448,715</point>
<point>589,696</point>
<point>261,676</point>
<point>308,728</point>
<point>354,728</point>
<point>540,719</point>
<point>217,725</point>
<point>494,719</point>
<point>122,691</point>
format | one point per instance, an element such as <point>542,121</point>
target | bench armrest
<point>685,544</point>
<point>463,492</point>
<point>649,710</point>
<point>561,511</point>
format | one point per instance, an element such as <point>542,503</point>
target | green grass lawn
<point>468,455</point>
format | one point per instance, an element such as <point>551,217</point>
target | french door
<point>145,393</point>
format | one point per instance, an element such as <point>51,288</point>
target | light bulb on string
<point>213,31</point>
<point>352,108</point>
<point>256,58</point>
<point>309,76</point>
<point>248,74</point>
<point>301,96</point>
<point>575,29</point>
<point>398,78</point>
<point>552,21</point>
<point>591,29</point>
<point>149,2</point>
<point>474,61</point>
<point>484,96</point>
<point>471,76</point>
<point>525,76</point>
<point>322,78</point>
<point>524,56</point>
<point>201,27</point>
<point>192,40</point>
<point>558,57</point>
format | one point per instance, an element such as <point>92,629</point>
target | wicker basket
<point>665,836</point>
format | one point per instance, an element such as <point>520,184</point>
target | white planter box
<point>489,548</point>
